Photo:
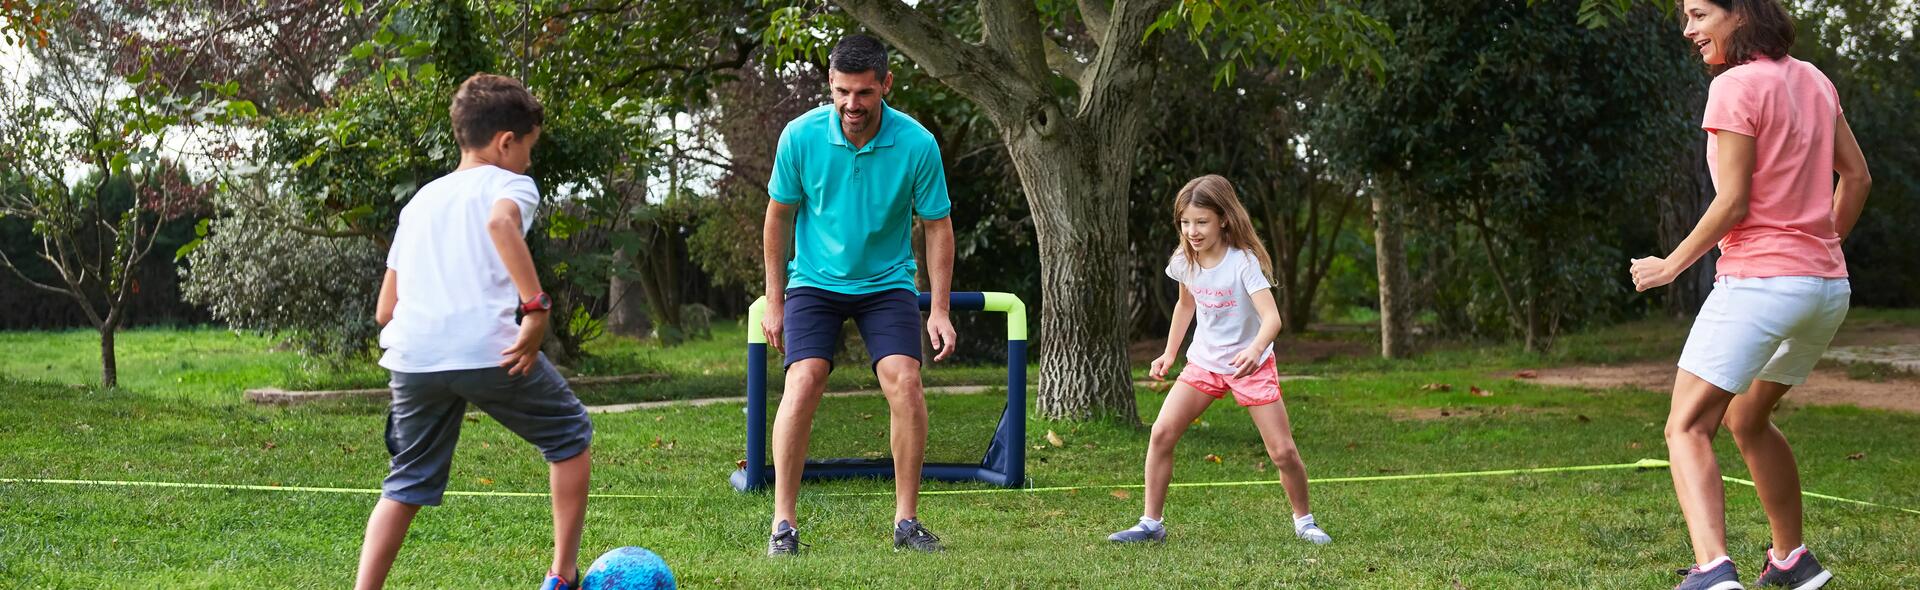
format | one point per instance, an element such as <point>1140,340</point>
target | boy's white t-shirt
<point>1225,321</point>
<point>456,302</point>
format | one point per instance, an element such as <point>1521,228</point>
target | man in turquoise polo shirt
<point>847,181</point>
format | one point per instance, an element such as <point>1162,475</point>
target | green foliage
<point>316,293</point>
<point>1530,142</point>
<point>1252,34</point>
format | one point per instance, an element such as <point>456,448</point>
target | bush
<point>320,293</point>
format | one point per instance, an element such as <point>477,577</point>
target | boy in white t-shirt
<point>1222,269</point>
<point>458,274</point>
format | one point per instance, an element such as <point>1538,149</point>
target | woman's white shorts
<point>1768,328</point>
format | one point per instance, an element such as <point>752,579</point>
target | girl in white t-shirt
<point>1222,268</point>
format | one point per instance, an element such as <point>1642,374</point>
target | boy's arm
<point>504,226</point>
<point>389,297</point>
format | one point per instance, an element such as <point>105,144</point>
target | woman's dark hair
<point>1764,29</point>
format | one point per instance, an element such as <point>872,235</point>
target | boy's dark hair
<point>487,104</point>
<point>859,53</point>
<point>1767,31</point>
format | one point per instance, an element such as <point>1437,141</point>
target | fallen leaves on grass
<point>1857,456</point>
<point>1054,439</point>
<point>1442,387</point>
<point>1478,392</point>
<point>1527,374</point>
<point>1212,457</point>
<point>1121,494</point>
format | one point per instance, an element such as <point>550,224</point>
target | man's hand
<point>940,333</point>
<point>526,350</point>
<point>772,325</point>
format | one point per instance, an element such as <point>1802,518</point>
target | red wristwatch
<point>540,302</point>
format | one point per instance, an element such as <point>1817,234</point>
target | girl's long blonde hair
<point>1214,193</point>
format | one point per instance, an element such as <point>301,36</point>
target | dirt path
<point>1826,387</point>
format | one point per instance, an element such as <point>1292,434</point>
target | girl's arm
<point>1733,182</point>
<point>1182,319</point>
<point>1248,360</point>
<point>1850,194</point>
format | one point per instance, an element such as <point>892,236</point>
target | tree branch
<point>743,51</point>
<point>1064,61</point>
<point>1119,68</point>
<point>8,262</point>
<point>1097,14</point>
<point>1012,28</point>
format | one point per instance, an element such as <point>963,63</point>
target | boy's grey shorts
<point>423,423</point>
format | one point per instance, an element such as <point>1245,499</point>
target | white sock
<point>1712,564</point>
<point>1151,524</point>
<point>1301,522</point>
<point>1791,555</point>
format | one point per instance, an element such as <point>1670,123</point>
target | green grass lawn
<point>1599,529</point>
<point>212,365</point>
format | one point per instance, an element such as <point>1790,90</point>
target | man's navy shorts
<point>889,323</point>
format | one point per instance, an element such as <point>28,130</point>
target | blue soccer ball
<point>628,568</point>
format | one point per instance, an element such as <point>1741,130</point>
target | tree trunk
<point>1077,187</point>
<point>109,367</point>
<point>659,265</point>
<point>626,309</point>
<point>1390,259</point>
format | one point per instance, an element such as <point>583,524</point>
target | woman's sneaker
<point>1145,532</point>
<point>555,582</point>
<point>1719,577</point>
<point>1803,572</point>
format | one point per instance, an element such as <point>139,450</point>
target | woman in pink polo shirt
<point>1776,137</point>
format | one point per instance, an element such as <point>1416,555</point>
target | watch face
<point>544,301</point>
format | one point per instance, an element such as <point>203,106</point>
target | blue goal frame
<point>1006,461</point>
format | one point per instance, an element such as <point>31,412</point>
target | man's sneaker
<point>1803,572</point>
<point>1141,533</point>
<point>555,582</point>
<point>785,541</point>
<point>1721,577</point>
<point>908,534</point>
<point>1311,533</point>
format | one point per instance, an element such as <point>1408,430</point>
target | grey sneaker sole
<point>1816,582</point>
<point>1159,540</point>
